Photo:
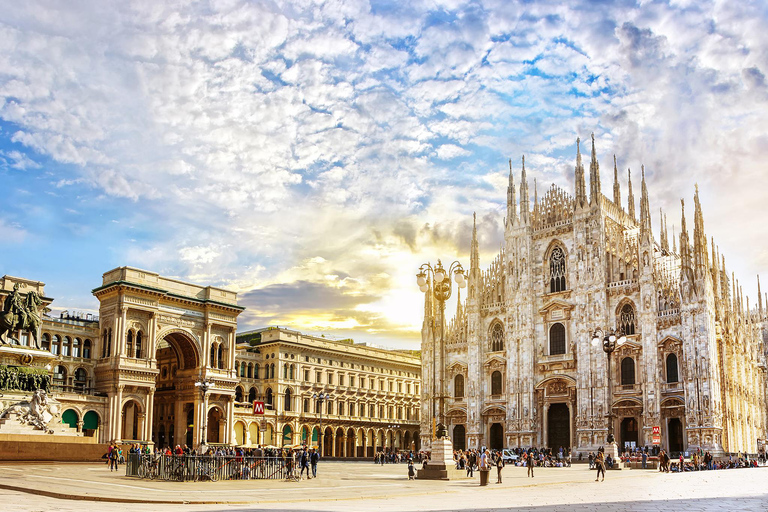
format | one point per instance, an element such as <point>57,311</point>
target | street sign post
<point>258,407</point>
<point>656,435</point>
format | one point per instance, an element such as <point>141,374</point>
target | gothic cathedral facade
<point>521,369</point>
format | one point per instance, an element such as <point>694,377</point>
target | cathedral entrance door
<point>628,432</point>
<point>497,437</point>
<point>459,438</point>
<point>559,426</point>
<point>675,432</point>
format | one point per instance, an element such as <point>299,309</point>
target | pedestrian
<point>529,464</point>
<point>591,461</point>
<point>600,464</point>
<point>113,458</point>
<point>645,459</point>
<point>499,467</point>
<point>313,461</point>
<point>411,471</point>
<point>471,464</point>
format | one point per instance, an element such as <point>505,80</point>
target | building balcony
<point>672,387</point>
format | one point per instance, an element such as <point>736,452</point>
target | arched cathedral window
<point>672,368</point>
<point>557,270</point>
<point>496,383</point>
<point>458,386</point>
<point>627,371</point>
<point>497,337</point>
<point>627,319</point>
<point>557,339</point>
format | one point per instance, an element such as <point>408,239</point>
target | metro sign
<point>656,430</point>
<point>258,407</point>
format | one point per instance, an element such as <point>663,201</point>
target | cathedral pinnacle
<point>474,256</point>
<point>663,233</point>
<point>525,207</point>
<point>630,196</point>
<point>616,187</point>
<point>759,298</point>
<point>511,198</point>
<point>646,234</point>
<point>581,189</point>
<point>594,177</point>
<point>700,256</point>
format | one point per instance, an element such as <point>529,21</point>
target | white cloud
<point>262,135</point>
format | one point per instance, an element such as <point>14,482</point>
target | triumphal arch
<point>166,358</point>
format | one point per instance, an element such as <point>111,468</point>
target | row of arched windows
<point>251,371</point>
<point>217,356</point>
<point>66,346</point>
<point>627,376</point>
<point>133,344</point>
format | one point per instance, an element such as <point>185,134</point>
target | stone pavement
<point>354,486</point>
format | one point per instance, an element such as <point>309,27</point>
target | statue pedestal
<point>19,355</point>
<point>612,449</point>
<point>441,465</point>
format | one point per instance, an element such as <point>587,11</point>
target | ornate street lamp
<point>610,339</point>
<point>441,291</point>
<point>205,386</point>
<point>321,397</point>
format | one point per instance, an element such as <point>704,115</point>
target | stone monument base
<point>441,465</point>
<point>612,449</point>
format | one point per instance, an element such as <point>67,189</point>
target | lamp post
<point>205,386</point>
<point>441,291</point>
<point>321,397</point>
<point>610,340</point>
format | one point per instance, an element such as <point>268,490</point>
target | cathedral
<point>522,362</point>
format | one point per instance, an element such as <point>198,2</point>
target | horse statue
<point>32,412</point>
<point>21,313</point>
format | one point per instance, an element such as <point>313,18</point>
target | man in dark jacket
<point>313,461</point>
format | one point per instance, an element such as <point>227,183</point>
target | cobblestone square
<point>353,486</point>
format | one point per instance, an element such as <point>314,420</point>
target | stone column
<point>123,328</point>
<point>152,348</point>
<point>230,421</point>
<point>140,428</point>
<point>118,429</point>
<point>231,349</point>
<point>206,363</point>
<point>150,415</point>
<point>545,423</point>
<point>180,424</point>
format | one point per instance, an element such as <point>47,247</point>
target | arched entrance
<point>559,428</point>
<point>239,433</point>
<point>496,441</point>
<point>459,438</point>
<point>675,433</point>
<point>628,433</point>
<point>215,416</point>
<point>328,442</point>
<point>176,397</point>
<point>339,438</point>
<point>351,443</point>
<point>90,423</point>
<point>287,436</point>
<point>130,421</point>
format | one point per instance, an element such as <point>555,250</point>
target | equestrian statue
<point>21,313</point>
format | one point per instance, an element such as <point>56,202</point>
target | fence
<point>182,468</point>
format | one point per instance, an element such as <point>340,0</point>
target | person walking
<point>313,461</point>
<point>471,464</point>
<point>113,458</point>
<point>645,459</point>
<point>499,467</point>
<point>529,464</point>
<point>600,464</point>
<point>411,472</point>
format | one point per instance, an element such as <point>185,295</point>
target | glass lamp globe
<point>612,338</point>
<point>421,279</point>
<point>463,284</point>
<point>424,288</point>
<point>439,276</point>
<point>595,341</point>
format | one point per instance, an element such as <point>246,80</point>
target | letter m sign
<point>258,407</point>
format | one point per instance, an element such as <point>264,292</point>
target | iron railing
<point>182,468</point>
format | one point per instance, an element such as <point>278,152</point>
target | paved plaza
<point>353,486</point>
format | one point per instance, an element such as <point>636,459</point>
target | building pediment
<point>495,363</point>
<point>556,309</point>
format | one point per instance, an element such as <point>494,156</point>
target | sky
<point>311,155</point>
